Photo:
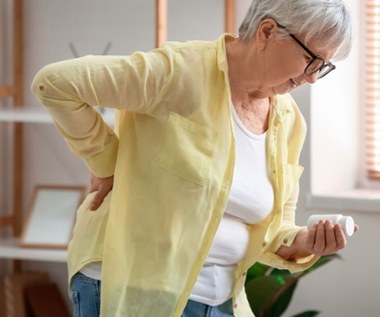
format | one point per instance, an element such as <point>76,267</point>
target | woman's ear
<point>266,32</point>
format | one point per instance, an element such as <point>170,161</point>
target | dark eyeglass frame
<point>323,70</point>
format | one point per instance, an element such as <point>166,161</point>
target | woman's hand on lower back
<point>102,186</point>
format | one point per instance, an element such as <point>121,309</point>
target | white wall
<point>344,288</point>
<point>335,112</point>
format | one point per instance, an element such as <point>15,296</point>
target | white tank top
<point>250,201</point>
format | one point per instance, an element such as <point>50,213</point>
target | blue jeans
<point>195,309</point>
<point>85,295</point>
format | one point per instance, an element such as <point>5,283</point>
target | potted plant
<point>270,290</point>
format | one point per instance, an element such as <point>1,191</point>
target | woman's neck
<point>243,72</point>
<point>252,106</point>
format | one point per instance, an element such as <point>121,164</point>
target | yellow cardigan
<point>172,156</point>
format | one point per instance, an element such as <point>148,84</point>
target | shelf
<point>22,115</point>
<point>9,249</point>
<point>40,116</point>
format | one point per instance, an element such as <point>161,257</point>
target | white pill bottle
<point>346,222</point>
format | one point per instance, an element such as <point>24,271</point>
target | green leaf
<point>310,313</point>
<point>280,272</point>
<point>322,261</point>
<point>257,270</point>
<point>261,290</point>
<point>281,300</point>
<point>269,296</point>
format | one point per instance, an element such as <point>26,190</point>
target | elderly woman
<point>204,162</point>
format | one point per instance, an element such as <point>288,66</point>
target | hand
<point>322,239</point>
<point>102,186</point>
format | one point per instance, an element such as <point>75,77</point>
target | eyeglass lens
<point>318,65</point>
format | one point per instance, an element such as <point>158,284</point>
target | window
<point>372,88</point>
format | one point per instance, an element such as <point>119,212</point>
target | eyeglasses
<point>317,64</point>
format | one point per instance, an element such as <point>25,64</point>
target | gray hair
<point>328,22</point>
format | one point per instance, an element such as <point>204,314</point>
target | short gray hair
<point>329,22</point>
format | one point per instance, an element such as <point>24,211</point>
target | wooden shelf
<point>22,115</point>
<point>9,249</point>
<point>25,115</point>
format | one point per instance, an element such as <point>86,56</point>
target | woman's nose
<point>312,78</point>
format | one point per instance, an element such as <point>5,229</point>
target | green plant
<point>270,290</point>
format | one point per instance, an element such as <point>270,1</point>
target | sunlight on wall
<point>335,123</point>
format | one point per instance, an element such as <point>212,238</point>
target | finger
<point>331,237</point>
<point>310,238</point>
<point>102,192</point>
<point>92,189</point>
<point>320,238</point>
<point>97,200</point>
<point>356,228</point>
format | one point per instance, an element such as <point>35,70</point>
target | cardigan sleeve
<point>69,90</point>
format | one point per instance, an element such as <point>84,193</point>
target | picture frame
<point>51,216</point>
